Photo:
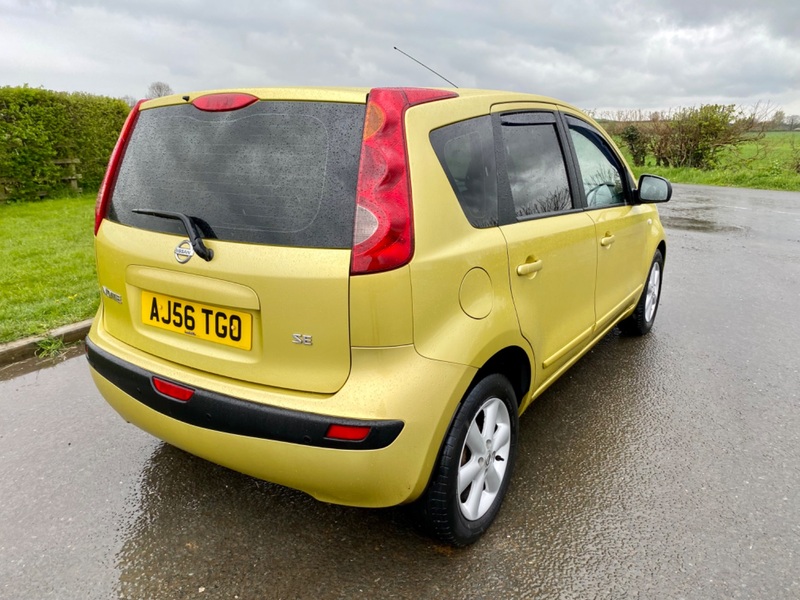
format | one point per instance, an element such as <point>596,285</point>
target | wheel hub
<point>484,456</point>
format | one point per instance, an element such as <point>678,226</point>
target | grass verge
<point>47,278</point>
<point>767,164</point>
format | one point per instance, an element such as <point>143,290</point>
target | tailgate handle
<point>529,268</point>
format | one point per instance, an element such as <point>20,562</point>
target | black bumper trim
<point>228,414</point>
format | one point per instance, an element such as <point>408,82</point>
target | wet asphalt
<point>661,467</point>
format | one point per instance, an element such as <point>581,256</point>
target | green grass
<point>47,277</point>
<point>768,164</point>
<point>49,347</point>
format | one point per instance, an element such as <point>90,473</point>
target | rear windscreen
<point>278,173</point>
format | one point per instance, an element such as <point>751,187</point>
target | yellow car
<point>356,292</point>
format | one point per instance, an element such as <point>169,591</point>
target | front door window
<point>600,173</point>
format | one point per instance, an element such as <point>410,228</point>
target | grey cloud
<point>781,17</point>
<point>617,54</point>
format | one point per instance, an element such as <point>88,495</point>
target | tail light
<point>383,238</point>
<point>110,178</point>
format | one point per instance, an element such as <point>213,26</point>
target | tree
<point>158,89</point>
<point>129,100</point>
<point>638,141</point>
<point>778,117</point>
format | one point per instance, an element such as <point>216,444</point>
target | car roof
<point>345,94</point>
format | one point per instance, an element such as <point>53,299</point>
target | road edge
<point>25,348</point>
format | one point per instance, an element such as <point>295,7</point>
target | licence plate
<point>212,323</point>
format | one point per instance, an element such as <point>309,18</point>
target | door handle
<point>529,268</point>
<point>607,240</point>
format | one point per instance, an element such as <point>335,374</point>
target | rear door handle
<point>607,240</point>
<point>529,268</point>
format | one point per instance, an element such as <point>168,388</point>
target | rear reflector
<point>172,390</point>
<point>348,433</point>
<point>223,102</point>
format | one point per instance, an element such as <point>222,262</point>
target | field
<point>47,278</point>
<point>769,163</point>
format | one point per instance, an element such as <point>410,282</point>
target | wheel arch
<point>662,246</point>
<point>514,364</point>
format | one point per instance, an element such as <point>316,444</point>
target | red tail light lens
<point>348,433</point>
<point>173,390</point>
<point>223,102</point>
<point>383,238</point>
<point>110,178</point>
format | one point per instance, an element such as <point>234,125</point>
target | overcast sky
<point>616,54</point>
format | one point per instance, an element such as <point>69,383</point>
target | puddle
<point>695,224</point>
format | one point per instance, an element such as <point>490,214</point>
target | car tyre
<point>641,321</point>
<point>475,464</point>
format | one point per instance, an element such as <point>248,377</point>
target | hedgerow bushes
<point>690,137</point>
<point>40,126</point>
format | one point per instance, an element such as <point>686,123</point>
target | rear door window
<point>278,173</point>
<point>466,153</point>
<point>537,174</point>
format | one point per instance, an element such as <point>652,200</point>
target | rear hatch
<point>270,188</point>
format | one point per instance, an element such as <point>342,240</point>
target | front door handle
<point>529,268</point>
<point>607,240</point>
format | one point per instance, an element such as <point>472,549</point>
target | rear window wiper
<point>195,238</point>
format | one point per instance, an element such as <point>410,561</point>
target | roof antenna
<point>426,66</point>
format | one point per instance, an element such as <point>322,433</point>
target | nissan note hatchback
<point>355,292</point>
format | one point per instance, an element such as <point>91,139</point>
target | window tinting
<point>281,173</point>
<point>466,152</point>
<point>536,170</point>
<point>600,172</point>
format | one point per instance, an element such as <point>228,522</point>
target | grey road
<point>660,467</point>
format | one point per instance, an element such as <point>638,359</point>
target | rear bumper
<point>406,399</point>
<point>227,414</point>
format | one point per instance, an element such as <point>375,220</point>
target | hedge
<point>38,127</point>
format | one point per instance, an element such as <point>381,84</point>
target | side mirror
<point>653,189</point>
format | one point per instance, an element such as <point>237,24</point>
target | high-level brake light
<point>223,102</point>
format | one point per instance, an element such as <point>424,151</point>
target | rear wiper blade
<point>195,238</point>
